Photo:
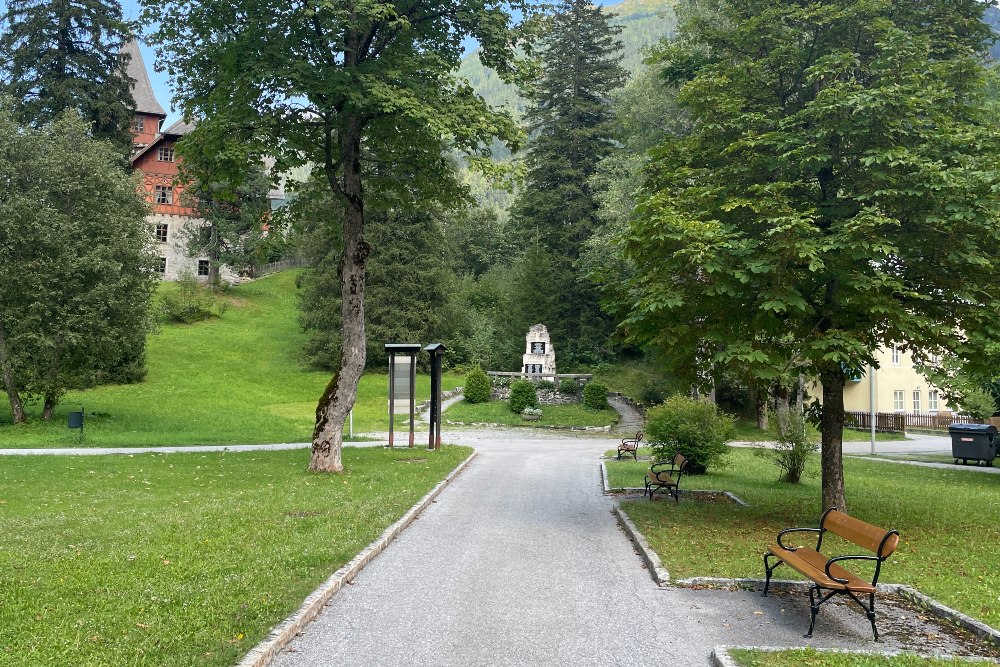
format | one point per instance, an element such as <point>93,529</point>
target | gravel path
<point>520,562</point>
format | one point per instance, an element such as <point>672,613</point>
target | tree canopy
<point>76,274</point>
<point>837,192</point>
<point>57,55</point>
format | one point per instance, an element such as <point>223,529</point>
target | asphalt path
<point>520,562</point>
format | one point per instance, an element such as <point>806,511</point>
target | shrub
<point>792,446</point>
<point>522,395</point>
<point>477,386</point>
<point>978,404</point>
<point>545,385</point>
<point>568,387</point>
<point>189,301</point>
<point>695,428</point>
<point>595,396</point>
<point>532,411</point>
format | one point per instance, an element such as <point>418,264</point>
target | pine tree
<point>57,55</point>
<point>571,126</point>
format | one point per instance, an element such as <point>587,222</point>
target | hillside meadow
<point>236,379</point>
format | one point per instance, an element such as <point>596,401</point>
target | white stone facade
<point>172,251</point>
<point>539,355</point>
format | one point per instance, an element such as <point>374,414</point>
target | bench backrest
<point>679,462</point>
<point>875,539</point>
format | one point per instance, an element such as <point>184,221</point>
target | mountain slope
<point>644,23</point>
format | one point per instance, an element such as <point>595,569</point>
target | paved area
<point>520,562</point>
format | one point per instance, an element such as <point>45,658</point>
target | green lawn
<point>948,520</point>
<point>812,658</point>
<point>232,380</point>
<point>497,412</point>
<point>182,559</point>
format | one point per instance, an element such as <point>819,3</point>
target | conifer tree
<point>571,126</point>
<point>57,55</point>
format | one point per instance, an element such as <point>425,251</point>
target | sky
<point>161,85</point>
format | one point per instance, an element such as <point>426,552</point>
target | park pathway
<point>520,562</point>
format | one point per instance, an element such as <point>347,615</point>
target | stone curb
<point>653,563</point>
<point>283,633</point>
<point>685,492</point>
<point>721,658</point>
<point>978,628</point>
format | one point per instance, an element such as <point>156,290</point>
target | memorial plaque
<point>538,348</point>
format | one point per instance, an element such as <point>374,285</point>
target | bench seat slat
<point>812,564</point>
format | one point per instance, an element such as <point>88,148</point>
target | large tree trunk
<point>338,399</point>
<point>761,406</point>
<point>7,376</point>
<point>832,424</point>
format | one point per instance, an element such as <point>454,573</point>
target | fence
<point>261,270</point>
<point>897,422</point>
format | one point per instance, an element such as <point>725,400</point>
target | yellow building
<point>898,388</point>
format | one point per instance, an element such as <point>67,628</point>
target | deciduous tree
<point>76,272</point>
<point>364,91</point>
<point>838,192</point>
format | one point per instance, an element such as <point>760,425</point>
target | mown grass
<point>812,658</point>
<point>497,412</point>
<point>948,520</point>
<point>237,379</point>
<point>182,559</point>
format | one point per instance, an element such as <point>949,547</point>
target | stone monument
<point>539,355</point>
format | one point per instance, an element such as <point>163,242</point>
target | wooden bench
<point>630,446</point>
<point>666,475</point>
<point>826,573</point>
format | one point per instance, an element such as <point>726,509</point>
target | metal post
<point>871,400</point>
<point>413,392</point>
<point>438,367</point>
<point>392,394</point>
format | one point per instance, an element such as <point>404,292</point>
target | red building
<point>154,156</point>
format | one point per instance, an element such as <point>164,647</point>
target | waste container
<point>973,442</point>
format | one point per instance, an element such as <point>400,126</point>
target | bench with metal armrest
<point>666,475</point>
<point>826,573</point>
<point>630,446</point>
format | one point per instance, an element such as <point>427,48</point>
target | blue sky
<point>159,80</point>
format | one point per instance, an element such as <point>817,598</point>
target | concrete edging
<point>578,429</point>
<point>283,633</point>
<point>653,563</point>
<point>684,492</point>
<point>721,658</point>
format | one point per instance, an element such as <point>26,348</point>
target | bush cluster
<point>522,395</point>
<point>545,385</point>
<point>477,386</point>
<point>595,396</point>
<point>695,428</point>
<point>792,447</point>
<point>568,387</point>
<point>189,301</point>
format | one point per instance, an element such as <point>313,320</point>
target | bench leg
<point>767,572</point>
<point>869,610</point>
<point>815,600</point>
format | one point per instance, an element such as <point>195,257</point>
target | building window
<point>916,401</point>
<point>164,194</point>
<point>165,153</point>
<point>161,233</point>
<point>895,355</point>
<point>932,400</point>
<point>935,359</point>
<point>139,124</point>
<point>203,267</point>
<point>162,266</point>
<point>897,400</point>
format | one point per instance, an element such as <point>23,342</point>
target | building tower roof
<point>142,90</point>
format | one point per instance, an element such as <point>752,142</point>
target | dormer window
<point>165,153</point>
